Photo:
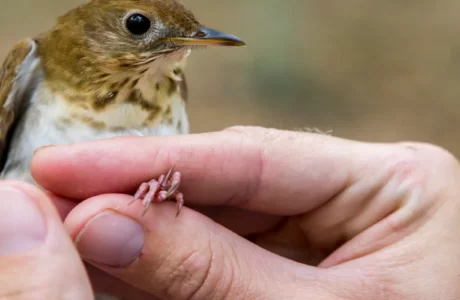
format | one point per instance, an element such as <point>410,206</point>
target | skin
<point>357,220</point>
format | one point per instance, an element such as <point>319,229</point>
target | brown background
<point>372,70</point>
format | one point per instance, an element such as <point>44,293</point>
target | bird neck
<point>70,67</point>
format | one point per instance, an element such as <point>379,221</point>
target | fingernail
<point>22,226</point>
<point>111,239</point>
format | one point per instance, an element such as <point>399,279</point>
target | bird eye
<point>138,24</point>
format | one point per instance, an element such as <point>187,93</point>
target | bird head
<point>133,33</point>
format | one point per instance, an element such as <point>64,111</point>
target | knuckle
<point>190,274</point>
<point>225,285</point>
<point>425,168</point>
<point>205,274</point>
<point>425,158</point>
<point>405,163</point>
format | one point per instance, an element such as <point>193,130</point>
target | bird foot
<point>163,189</point>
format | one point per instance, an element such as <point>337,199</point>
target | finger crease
<point>207,272</point>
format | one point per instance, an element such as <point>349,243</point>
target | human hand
<point>361,220</point>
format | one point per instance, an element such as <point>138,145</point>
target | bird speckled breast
<point>144,110</point>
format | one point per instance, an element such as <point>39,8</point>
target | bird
<point>106,68</point>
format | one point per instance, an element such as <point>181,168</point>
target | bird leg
<point>163,189</point>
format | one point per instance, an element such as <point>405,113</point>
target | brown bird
<point>107,68</point>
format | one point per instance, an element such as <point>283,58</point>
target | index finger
<point>265,170</point>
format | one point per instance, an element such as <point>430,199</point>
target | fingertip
<point>109,232</point>
<point>40,197</point>
<point>49,168</point>
<point>33,241</point>
<point>23,219</point>
<point>87,169</point>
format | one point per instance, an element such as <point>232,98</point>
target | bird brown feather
<point>10,97</point>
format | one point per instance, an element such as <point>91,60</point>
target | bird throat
<point>133,97</point>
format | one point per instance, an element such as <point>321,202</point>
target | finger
<point>37,257</point>
<point>190,257</point>
<point>250,168</point>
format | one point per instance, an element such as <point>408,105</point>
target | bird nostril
<point>200,34</point>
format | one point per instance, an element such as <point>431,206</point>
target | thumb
<point>189,257</point>
<point>37,257</point>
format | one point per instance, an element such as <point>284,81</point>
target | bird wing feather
<point>16,81</point>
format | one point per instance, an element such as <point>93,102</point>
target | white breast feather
<point>42,119</point>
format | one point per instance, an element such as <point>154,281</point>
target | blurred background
<point>367,69</point>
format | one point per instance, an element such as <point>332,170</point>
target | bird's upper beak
<point>208,37</point>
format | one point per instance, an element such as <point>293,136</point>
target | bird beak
<point>209,37</point>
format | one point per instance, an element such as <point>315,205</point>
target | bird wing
<point>17,80</point>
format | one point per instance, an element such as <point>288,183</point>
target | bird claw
<point>163,189</point>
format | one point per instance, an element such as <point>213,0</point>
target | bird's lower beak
<point>209,37</point>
